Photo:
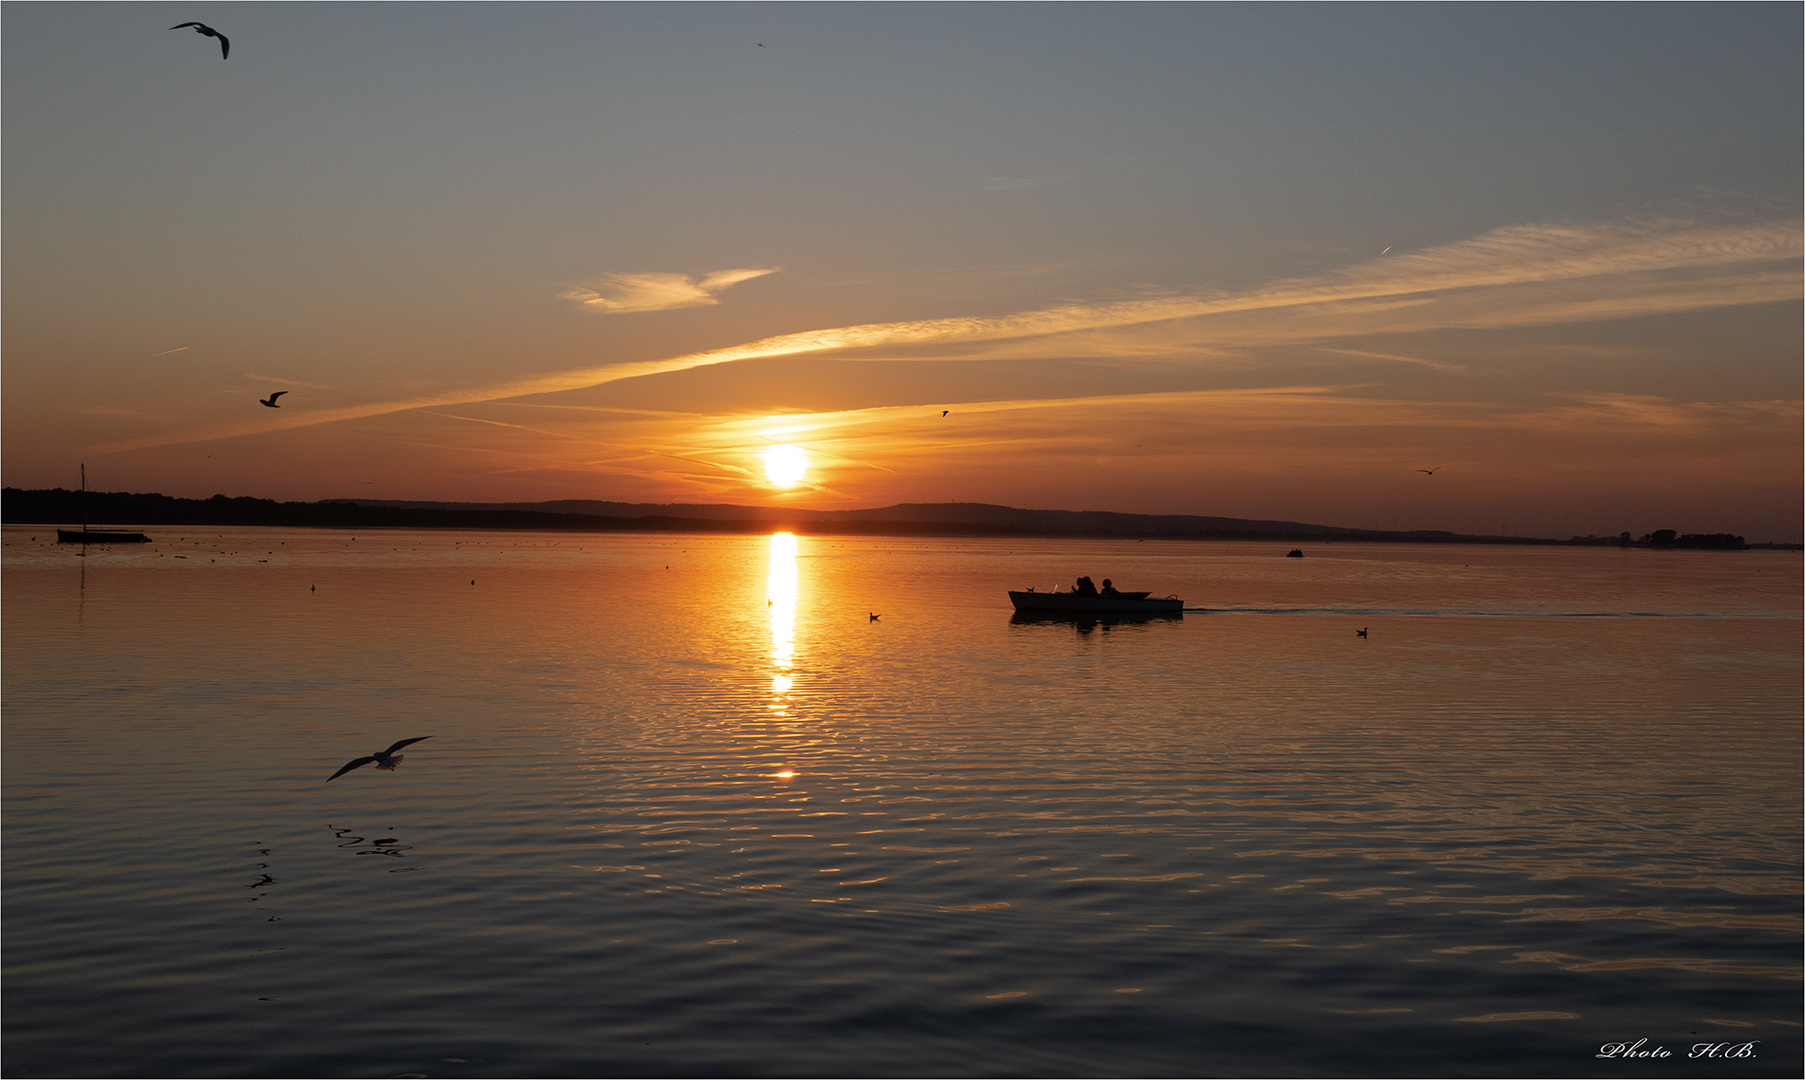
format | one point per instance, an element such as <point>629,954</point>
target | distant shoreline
<point>58,506</point>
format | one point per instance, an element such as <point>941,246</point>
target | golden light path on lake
<point>782,587</point>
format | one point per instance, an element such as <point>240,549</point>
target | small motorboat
<point>1085,604</point>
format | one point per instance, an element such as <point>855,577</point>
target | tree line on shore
<point>1669,538</point>
<point>61,506</point>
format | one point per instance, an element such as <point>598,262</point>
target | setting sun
<point>784,465</point>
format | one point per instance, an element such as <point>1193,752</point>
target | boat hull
<point>99,536</point>
<point>1072,604</point>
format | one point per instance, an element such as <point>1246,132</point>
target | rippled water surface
<point>686,808</point>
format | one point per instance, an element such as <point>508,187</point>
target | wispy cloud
<point>1626,412</point>
<point>503,424</point>
<point>1022,183</point>
<point>1435,365</point>
<point>620,293</point>
<point>286,382</point>
<point>121,413</point>
<point>1306,434</point>
<point>1719,265</point>
<point>1516,276</point>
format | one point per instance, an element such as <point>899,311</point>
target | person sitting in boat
<point>1109,589</point>
<point>1084,587</point>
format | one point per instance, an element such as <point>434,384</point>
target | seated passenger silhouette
<point>1084,587</point>
<point>1108,589</point>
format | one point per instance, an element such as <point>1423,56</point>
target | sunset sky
<point>1259,261</point>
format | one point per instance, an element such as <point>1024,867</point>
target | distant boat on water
<point>96,536</point>
<point>1066,604</point>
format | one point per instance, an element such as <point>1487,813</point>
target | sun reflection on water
<point>782,591</point>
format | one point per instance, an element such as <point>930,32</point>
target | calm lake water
<point>686,809</point>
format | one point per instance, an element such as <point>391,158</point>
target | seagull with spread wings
<point>386,760</point>
<point>270,402</point>
<point>225,47</point>
<point>1430,472</point>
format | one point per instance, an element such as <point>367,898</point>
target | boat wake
<point>1472,613</point>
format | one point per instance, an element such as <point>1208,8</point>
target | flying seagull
<point>386,760</point>
<point>1431,472</point>
<point>943,412</point>
<point>225,47</point>
<point>271,400</point>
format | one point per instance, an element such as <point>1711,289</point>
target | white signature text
<point>1641,1049</point>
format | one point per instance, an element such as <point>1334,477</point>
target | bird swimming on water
<point>1360,632</point>
<point>386,760</point>
<point>874,616</point>
<point>270,402</point>
<point>225,47</point>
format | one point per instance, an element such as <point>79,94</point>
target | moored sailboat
<point>96,536</point>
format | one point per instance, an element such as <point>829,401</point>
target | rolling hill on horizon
<point>61,506</point>
<point>948,513</point>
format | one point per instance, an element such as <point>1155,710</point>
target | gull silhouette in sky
<point>270,402</point>
<point>1430,472</point>
<point>386,760</point>
<point>203,29</point>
